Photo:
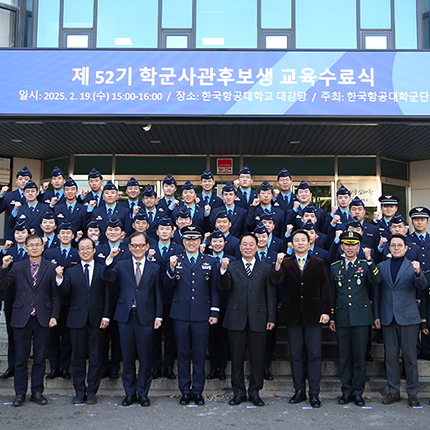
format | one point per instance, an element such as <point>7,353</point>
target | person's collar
<point>67,249</point>
<point>91,263</point>
<point>116,245</point>
<point>348,261</point>
<point>194,255</point>
<point>142,261</point>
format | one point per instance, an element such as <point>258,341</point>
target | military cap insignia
<point>350,234</point>
<point>388,197</point>
<point>419,209</point>
<point>60,216</point>
<point>101,255</point>
<point>191,228</point>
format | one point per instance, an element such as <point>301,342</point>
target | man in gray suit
<point>251,311</point>
<point>395,309</point>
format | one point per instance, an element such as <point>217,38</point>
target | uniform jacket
<point>425,250</point>
<point>237,218</point>
<point>350,300</point>
<point>9,294</point>
<point>306,293</point>
<point>43,295</point>
<point>100,215</point>
<point>77,218</point>
<point>215,201</point>
<point>195,292</point>
<point>46,197</point>
<point>147,294</point>
<point>241,201</point>
<point>398,300</point>
<point>252,299</point>
<point>199,218</point>
<point>86,304</point>
<point>32,218</point>
<point>152,229</point>
<point>255,212</point>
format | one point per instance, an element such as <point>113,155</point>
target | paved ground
<point>165,413</point>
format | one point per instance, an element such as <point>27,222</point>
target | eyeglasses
<point>137,245</point>
<point>33,245</point>
<point>88,248</point>
<point>400,246</point>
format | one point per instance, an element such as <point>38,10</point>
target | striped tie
<point>248,269</point>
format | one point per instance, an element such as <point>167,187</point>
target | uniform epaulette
<point>338,261</point>
<point>375,271</point>
<point>363,260</point>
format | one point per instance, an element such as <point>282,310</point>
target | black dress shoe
<point>185,399</point>
<point>65,374</point>
<point>198,399</point>
<point>9,373</point>
<point>299,396</point>
<point>53,374</point>
<point>267,375</point>
<point>237,400</point>
<point>129,400</point>
<point>113,375</point>
<point>156,373</point>
<point>358,400</point>
<point>345,399</point>
<point>213,374</point>
<point>168,373</point>
<point>314,401</point>
<point>39,398</point>
<point>221,375</point>
<point>257,400</point>
<point>18,401</point>
<point>143,401</point>
<point>80,398</point>
<point>105,374</point>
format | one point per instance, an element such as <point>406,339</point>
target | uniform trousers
<point>218,346</point>
<point>169,342</point>
<point>86,341</point>
<point>302,335</point>
<point>60,345</point>
<point>23,336</point>
<point>405,337</point>
<point>351,342</point>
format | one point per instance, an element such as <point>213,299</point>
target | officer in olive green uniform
<point>352,314</point>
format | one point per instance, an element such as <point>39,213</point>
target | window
<point>7,27</point>
<point>177,39</point>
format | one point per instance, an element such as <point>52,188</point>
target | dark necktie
<point>163,251</point>
<point>267,211</point>
<point>20,254</point>
<point>192,261</point>
<point>349,270</point>
<point>422,239</point>
<point>109,213</point>
<point>138,274</point>
<point>206,200</point>
<point>262,256</point>
<point>229,212</point>
<point>245,193</point>
<point>64,252</point>
<point>57,194</point>
<point>31,209</point>
<point>96,198</point>
<point>169,202</point>
<point>218,261</point>
<point>150,216</point>
<point>87,275</point>
<point>248,269</point>
<point>310,251</point>
<point>70,209</point>
<point>34,270</point>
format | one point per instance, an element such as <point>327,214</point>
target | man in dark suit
<point>305,306</point>
<point>95,181</point>
<point>160,252</point>
<point>70,209</point>
<point>251,311</point>
<point>194,278</point>
<point>18,253</point>
<point>245,195</point>
<point>60,345</point>
<point>351,314</point>
<point>90,311</point>
<point>399,317</point>
<point>35,309</point>
<point>139,310</point>
<point>207,197</point>
<point>58,179</point>
<point>236,214</point>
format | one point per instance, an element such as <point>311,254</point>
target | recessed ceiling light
<point>147,127</point>
<point>155,141</point>
<point>16,140</point>
<point>295,142</point>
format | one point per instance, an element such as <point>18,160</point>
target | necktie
<point>349,270</point>
<point>34,270</point>
<point>31,209</point>
<point>248,269</point>
<point>138,274</point>
<point>20,254</point>
<point>163,250</point>
<point>310,251</point>
<point>262,256</point>
<point>169,202</point>
<point>246,196</point>
<point>206,200</point>
<point>109,212</point>
<point>192,261</point>
<point>96,198</point>
<point>87,275</point>
<point>229,212</point>
<point>422,239</point>
<point>301,263</point>
<point>150,215</point>
<point>218,261</point>
<point>57,194</point>
<point>70,209</point>
<point>267,211</point>
<point>64,255</point>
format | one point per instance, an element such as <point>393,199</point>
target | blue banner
<point>202,83</point>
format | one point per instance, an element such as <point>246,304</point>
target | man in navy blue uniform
<point>169,189</point>
<point>18,253</point>
<point>195,306</point>
<point>223,223</point>
<point>183,219</point>
<point>153,212</point>
<point>95,181</point>
<point>304,196</point>
<point>339,213</point>
<point>199,216</point>
<point>133,191</point>
<point>60,345</point>
<point>276,244</point>
<point>236,214</point>
<point>31,212</point>
<point>218,345</point>
<point>48,226</point>
<point>245,195</point>
<point>70,209</point>
<point>286,197</point>
<point>389,207</point>
<point>8,199</point>
<point>57,180</point>
<point>160,252</point>
<point>139,310</point>
<point>207,197</point>
<point>104,213</point>
<point>114,234</point>
<point>264,204</point>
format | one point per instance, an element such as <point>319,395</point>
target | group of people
<point>89,275</point>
